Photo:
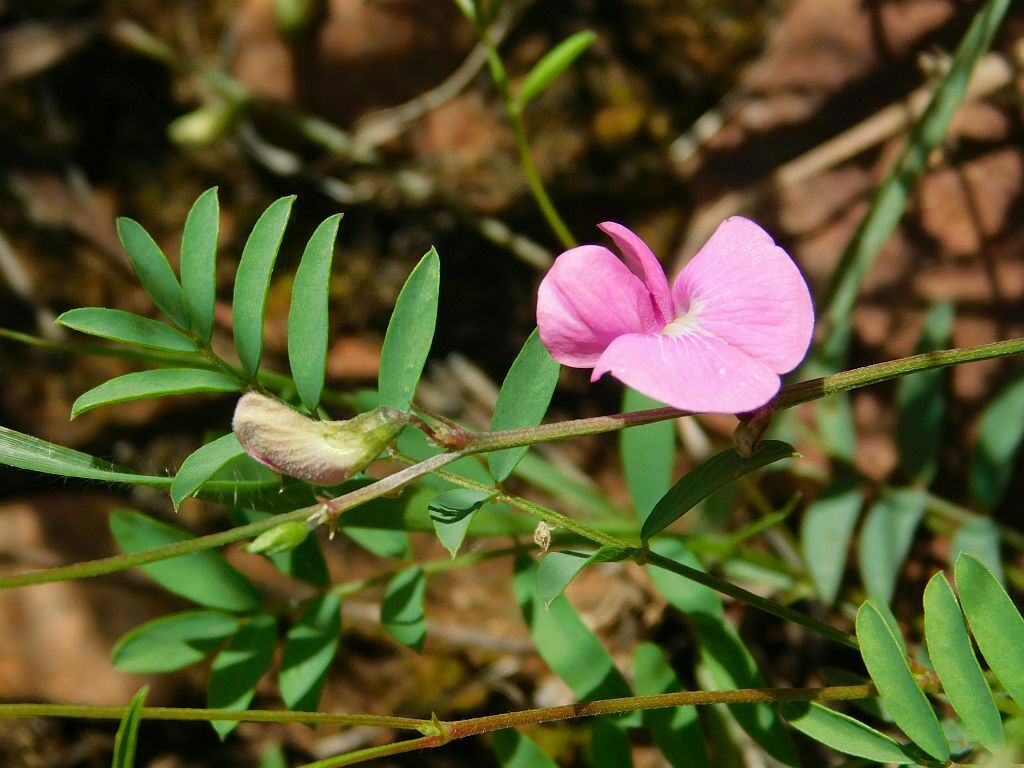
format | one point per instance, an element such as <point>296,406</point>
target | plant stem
<point>93,712</point>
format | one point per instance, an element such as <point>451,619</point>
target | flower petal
<point>694,372</point>
<point>750,293</point>
<point>587,299</point>
<point>644,264</point>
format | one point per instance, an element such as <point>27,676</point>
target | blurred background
<point>682,113</point>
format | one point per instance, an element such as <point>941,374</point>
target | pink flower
<point>738,315</point>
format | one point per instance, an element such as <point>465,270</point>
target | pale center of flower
<point>687,322</point>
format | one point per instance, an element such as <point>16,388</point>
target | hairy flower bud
<point>282,538</point>
<point>319,452</point>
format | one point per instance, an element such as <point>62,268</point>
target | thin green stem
<point>93,712</point>
<point>385,750</point>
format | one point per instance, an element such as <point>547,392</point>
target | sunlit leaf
<point>999,437</point>
<point>843,733</point>
<point>952,655</point>
<point>153,270</point>
<point>307,316</point>
<point>204,577</point>
<point>401,613</point>
<point>996,624</point>
<point>921,401</point>
<point>117,325</point>
<point>557,569</point>
<point>885,540</point>
<point>648,453</point>
<point>676,731</point>
<point>904,699</point>
<point>238,668</point>
<point>252,282</point>
<point>554,63</point>
<point>159,382</point>
<point>825,533</point>
<point>128,732</point>
<point>172,642</point>
<point>202,464</point>
<point>309,649</point>
<point>707,477</point>
<point>199,262</point>
<point>409,334</point>
<point>523,400</point>
<point>452,513</point>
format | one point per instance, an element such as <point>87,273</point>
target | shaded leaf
<point>523,400</point>
<point>153,270</point>
<point>885,540</point>
<point>410,332</point>
<point>199,262</point>
<point>514,750</point>
<point>238,668</point>
<point>252,281</point>
<point>843,733</point>
<point>648,453</point>
<point>309,649</point>
<point>609,744</point>
<point>202,577</point>
<point>172,642</point>
<point>909,707</point>
<point>452,513</point>
<point>999,436</point>
<point>159,382</point>
<point>952,655</point>
<point>402,610</point>
<point>307,316</point>
<point>554,63</point>
<point>383,543</point>
<point>707,477</point>
<point>677,730</point>
<point>980,537</point>
<point>825,533</point>
<point>128,732</point>
<point>117,325</point>
<point>921,402</point>
<point>557,569</point>
<point>202,464</point>
<point>995,622</point>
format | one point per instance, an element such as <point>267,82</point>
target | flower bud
<point>319,452</point>
<point>282,538</point>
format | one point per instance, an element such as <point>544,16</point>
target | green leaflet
<point>999,436</point>
<point>205,577</point>
<point>707,477</point>
<point>307,315</point>
<point>402,610</point>
<point>514,750</point>
<point>980,537</point>
<point>648,453</point>
<point>952,655</point>
<point>153,271</point>
<point>996,624</point>
<point>452,513</point>
<point>159,382</point>
<point>825,533</point>
<point>552,64</point>
<point>117,325</point>
<point>309,649</point>
<point>199,262</point>
<point>909,707</point>
<point>128,731</point>
<point>238,668</point>
<point>843,733</point>
<point>885,540</point>
<point>609,744</point>
<point>172,642</point>
<point>252,281</point>
<point>676,731</point>
<point>557,569</point>
<point>409,334</point>
<point>202,464</point>
<point>523,400</point>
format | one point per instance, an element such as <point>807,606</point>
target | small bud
<point>319,452</point>
<point>282,538</point>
